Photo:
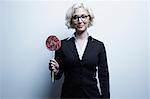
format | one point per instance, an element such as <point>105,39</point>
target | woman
<point>80,58</point>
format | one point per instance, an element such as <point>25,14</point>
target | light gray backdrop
<point>25,25</point>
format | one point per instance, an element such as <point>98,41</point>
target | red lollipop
<point>53,44</point>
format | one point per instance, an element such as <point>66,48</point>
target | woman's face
<point>80,20</point>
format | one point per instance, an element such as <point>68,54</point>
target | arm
<point>59,59</point>
<point>103,73</point>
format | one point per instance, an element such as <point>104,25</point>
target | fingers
<point>53,65</point>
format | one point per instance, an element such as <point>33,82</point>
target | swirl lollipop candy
<point>53,44</point>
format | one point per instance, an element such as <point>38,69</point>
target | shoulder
<point>66,41</point>
<point>99,45</point>
<point>96,41</point>
<point>63,40</point>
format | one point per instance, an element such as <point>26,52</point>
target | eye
<point>75,17</point>
<point>84,16</point>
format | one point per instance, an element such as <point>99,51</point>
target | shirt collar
<point>73,37</point>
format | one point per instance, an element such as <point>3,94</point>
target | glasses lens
<point>75,17</point>
<point>82,17</point>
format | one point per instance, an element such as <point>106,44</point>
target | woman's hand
<point>54,66</point>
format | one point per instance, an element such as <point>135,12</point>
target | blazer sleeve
<point>103,73</point>
<point>59,59</point>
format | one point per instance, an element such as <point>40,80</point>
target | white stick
<point>53,76</point>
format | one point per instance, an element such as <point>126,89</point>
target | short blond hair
<point>71,11</point>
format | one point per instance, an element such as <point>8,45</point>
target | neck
<point>82,35</point>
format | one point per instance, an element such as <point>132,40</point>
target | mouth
<point>80,26</point>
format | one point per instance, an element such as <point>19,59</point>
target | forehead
<point>80,11</point>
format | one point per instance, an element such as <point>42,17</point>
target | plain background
<point>122,25</point>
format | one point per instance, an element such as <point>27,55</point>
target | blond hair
<point>71,11</point>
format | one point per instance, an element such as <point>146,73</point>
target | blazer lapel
<point>89,47</point>
<point>71,45</point>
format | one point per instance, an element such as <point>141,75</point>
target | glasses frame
<point>82,17</point>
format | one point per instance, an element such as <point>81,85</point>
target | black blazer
<point>79,75</point>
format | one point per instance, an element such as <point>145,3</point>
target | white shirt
<point>81,48</point>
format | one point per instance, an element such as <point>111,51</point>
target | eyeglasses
<point>82,17</point>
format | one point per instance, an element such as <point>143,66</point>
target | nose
<point>79,20</point>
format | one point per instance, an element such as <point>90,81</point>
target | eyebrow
<point>81,15</point>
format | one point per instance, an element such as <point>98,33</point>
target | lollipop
<point>53,44</point>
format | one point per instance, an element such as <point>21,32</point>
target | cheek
<point>86,24</point>
<point>73,24</point>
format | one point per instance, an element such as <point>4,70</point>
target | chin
<point>81,29</point>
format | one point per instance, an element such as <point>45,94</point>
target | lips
<point>80,26</point>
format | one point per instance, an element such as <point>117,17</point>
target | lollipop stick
<point>53,55</point>
<point>53,44</point>
<point>53,77</point>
